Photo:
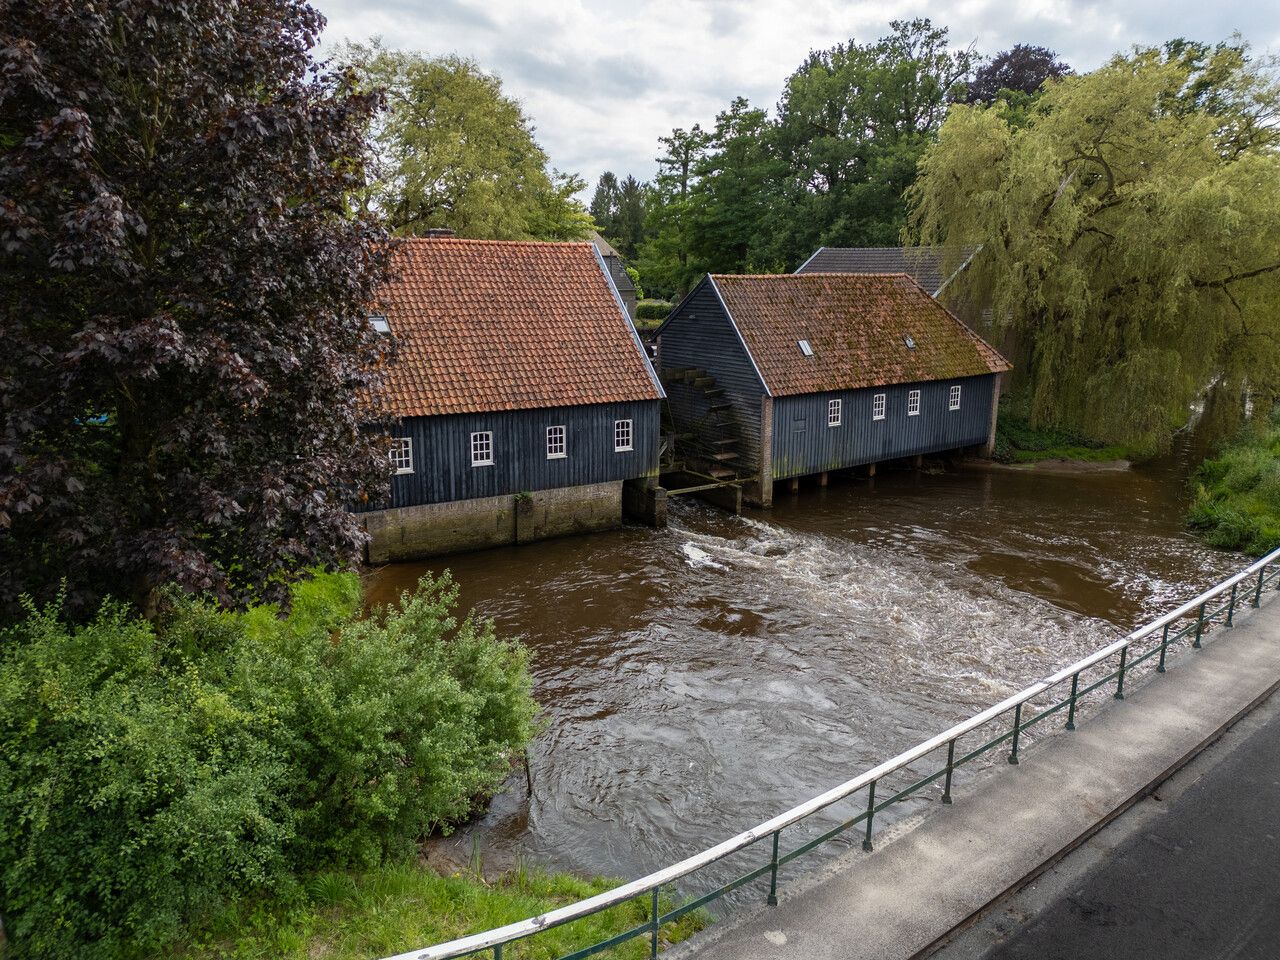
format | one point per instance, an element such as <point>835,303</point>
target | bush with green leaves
<point>1236,495</point>
<point>148,771</point>
<point>652,310</point>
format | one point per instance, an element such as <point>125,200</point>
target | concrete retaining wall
<point>411,533</point>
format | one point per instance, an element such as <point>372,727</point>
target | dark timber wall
<point>442,469</point>
<point>699,334</point>
<point>804,444</point>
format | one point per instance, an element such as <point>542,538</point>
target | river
<point>698,679</point>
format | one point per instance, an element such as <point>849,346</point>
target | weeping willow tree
<point>1129,230</point>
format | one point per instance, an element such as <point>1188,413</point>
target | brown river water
<point>699,679</point>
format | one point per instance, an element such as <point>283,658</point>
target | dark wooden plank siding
<point>442,469</point>
<point>804,444</point>
<point>700,334</point>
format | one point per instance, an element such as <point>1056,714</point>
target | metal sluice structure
<point>1216,606</point>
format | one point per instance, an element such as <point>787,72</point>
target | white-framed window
<point>913,403</point>
<point>555,443</point>
<point>834,408</point>
<point>402,454</point>
<point>482,449</point>
<point>954,402</point>
<point>621,435</point>
<point>877,406</point>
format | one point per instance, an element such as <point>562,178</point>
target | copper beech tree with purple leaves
<point>185,382</point>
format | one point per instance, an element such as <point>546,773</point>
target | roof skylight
<point>379,323</point>
<point>805,348</point>
<point>909,341</point>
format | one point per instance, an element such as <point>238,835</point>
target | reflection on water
<point>698,679</point>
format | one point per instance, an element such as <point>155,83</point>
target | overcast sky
<point>603,80</point>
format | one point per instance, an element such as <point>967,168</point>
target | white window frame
<point>402,455</point>
<point>482,448</point>
<point>623,436</point>
<point>953,403</point>
<point>879,404</point>
<point>913,403</point>
<point>835,409</point>
<point>557,442</point>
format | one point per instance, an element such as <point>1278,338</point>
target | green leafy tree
<point>456,152</point>
<point>664,260</point>
<point>604,203</point>
<point>852,124</point>
<point>1130,229</point>
<point>183,293</point>
<point>628,227</point>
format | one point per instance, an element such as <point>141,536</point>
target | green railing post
<point>951,757</point>
<point>1199,627</point>
<point>1257,593</point>
<point>871,815</point>
<point>773,872</point>
<point>1124,656</point>
<point>653,931</point>
<point>497,951</point>
<point>1017,729</point>
<point>1071,708</point>
<point>1231,607</point>
<point>1164,645</point>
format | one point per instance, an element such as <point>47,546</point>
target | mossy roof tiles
<point>857,325</point>
<point>486,325</point>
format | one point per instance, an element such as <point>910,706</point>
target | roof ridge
<point>497,243</point>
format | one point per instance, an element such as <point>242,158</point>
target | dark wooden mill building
<point>772,378</point>
<point>925,265</point>
<point>525,401</point>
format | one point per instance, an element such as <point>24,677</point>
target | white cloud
<point>603,80</point>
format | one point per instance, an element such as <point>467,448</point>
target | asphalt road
<point>1191,872</point>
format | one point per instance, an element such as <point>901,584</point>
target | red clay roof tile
<point>506,325</point>
<point>857,325</point>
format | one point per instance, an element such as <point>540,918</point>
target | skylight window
<point>379,323</point>
<point>909,341</point>
<point>805,348</point>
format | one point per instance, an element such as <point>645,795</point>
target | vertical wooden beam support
<point>919,460</point>
<point>766,451</point>
<point>871,470</point>
<point>822,479</point>
<point>793,485</point>
<point>989,450</point>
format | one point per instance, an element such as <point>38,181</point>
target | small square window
<point>833,412</point>
<point>955,398</point>
<point>877,407</point>
<point>621,435</point>
<point>482,449</point>
<point>379,323</point>
<point>402,454</point>
<point>555,443</point>
<point>913,403</point>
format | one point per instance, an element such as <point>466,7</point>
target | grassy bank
<point>1237,494</point>
<point>1017,441</point>
<point>341,915</point>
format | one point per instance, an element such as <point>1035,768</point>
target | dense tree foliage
<point>1019,70</point>
<point>183,288</point>
<point>761,193</point>
<point>148,770</point>
<point>455,151</point>
<point>618,211</point>
<point>1130,228</point>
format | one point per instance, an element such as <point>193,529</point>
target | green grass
<point>341,915</point>
<point>1236,502</point>
<point>1017,441</point>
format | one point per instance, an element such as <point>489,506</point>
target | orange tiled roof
<point>857,325</point>
<point>506,325</point>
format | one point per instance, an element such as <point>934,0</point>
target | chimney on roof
<point>439,232</point>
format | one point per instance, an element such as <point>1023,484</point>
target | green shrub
<point>1236,502</point>
<point>147,772</point>
<point>652,310</point>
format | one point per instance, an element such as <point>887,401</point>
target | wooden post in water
<point>919,460</point>
<point>871,470</point>
<point>822,479</point>
<point>793,485</point>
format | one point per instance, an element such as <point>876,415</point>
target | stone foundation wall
<point>411,533</point>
